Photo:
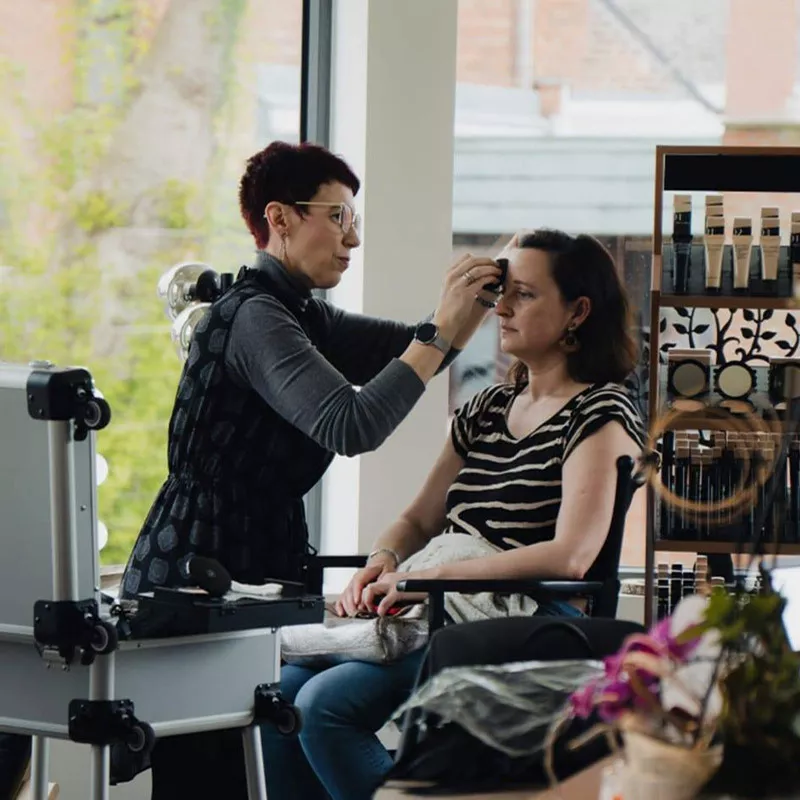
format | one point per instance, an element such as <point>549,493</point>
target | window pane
<point>124,130</point>
<point>559,107</point>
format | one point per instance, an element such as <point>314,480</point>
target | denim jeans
<point>337,754</point>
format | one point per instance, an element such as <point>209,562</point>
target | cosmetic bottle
<point>770,247</point>
<point>742,246</point>
<point>794,253</point>
<point>682,241</point>
<point>714,242</point>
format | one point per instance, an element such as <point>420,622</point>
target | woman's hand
<point>351,601</point>
<point>462,287</point>
<point>384,594</point>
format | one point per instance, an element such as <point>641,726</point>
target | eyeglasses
<point>345,217</point>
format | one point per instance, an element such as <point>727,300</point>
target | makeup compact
<point>735,380</point>
<point>682,241</point>
<point>742,245</point>
<point>770,244</point>
<point>784,379</point>
<point>497,287</point>
<point>688,374</point>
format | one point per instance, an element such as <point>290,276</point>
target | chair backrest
<point>606,565</point>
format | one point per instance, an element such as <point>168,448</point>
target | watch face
<point>426,333</point>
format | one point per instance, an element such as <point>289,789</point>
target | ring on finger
<point>469,277</point>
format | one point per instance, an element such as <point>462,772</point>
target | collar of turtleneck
<point>288,288</point>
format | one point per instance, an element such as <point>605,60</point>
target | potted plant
<point>708,695</point>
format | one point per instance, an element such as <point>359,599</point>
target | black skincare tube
<point>682,242</point>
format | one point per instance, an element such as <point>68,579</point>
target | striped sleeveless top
<point>509,490</point>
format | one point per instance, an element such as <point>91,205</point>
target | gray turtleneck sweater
<point>312,382</point>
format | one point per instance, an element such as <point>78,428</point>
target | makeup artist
<point>267,398</point>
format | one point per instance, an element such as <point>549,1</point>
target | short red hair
<point>287,173</point>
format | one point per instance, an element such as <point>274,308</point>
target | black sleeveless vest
<point>237,470</point>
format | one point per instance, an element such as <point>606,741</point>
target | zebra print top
<point>509,490</point>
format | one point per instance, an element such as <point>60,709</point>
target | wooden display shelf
<point>718,169</point>
<point>703,546</point>
<point>727,301</point>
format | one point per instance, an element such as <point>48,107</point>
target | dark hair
<point>287,173</point>
<point>582,267</point>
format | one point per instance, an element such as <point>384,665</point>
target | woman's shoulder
<point>611,401</point>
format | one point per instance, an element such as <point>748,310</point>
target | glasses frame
<point>355,223</point>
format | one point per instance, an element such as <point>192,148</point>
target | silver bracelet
<point>388,550</point>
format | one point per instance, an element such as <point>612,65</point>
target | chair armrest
<point>317,564</point>
<point>437,589</point>
<point>339,562</point>
<point>499,586</point>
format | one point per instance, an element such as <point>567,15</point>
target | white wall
<point>393,118</point>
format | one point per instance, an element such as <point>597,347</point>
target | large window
<point>123,132</point>
<point>560,104</point>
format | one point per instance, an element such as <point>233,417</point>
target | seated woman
<point>529,468</point>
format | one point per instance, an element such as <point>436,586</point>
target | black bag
<point>454,760</point>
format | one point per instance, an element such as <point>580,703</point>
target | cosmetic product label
<point>742,244</point>
<point>714,247</point>
<point>770,248</point>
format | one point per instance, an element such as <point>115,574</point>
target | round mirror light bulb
<point>101,469</point>
<point>102,535</point>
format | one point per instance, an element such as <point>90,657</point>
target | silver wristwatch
<point>428,333</point>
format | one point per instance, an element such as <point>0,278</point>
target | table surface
<point>583,786</point>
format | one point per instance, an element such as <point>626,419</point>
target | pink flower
<point>625,687</point>
<point>582,701</point>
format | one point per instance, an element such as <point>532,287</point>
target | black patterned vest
<point>237,470</point>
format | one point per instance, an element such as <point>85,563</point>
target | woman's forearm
<point>546,560</point>
<point>404,538</point>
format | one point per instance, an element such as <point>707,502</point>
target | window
<point>559,106</point>
<point>125,128</point>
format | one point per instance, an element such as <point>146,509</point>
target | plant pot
<point>657,770</point>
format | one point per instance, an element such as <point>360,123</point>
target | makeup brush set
<point>676,581</point>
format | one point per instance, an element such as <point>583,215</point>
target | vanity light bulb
<point>102,535</point>
<point>101,469</point>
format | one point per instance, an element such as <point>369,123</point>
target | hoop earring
<point>569,341</point>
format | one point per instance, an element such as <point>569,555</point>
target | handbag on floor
<point>486,727</point>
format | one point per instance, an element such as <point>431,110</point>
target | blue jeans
<point>337,754</point>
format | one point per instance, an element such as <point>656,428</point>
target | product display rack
<point>721,170</point>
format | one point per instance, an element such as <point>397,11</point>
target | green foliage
<point>65,295</point>
<point>760,684</point>
<point>175,204</point>
<point>96,212</point>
